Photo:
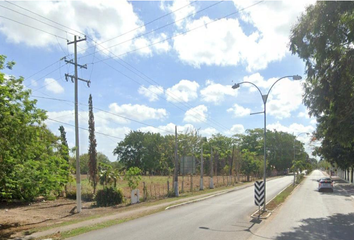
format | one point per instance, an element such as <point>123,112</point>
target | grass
<point>108,223</point>
<point>281,197</point>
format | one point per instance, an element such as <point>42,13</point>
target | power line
<point>171,38</point>
<point>35,19</point>
<point>156,29</point>
<point>43,17</point>
<point>179,34</point>
<point>32,27</point>
<point>104,134</point>
<point>127,118</point>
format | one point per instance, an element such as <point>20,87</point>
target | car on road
<point>325,184</point>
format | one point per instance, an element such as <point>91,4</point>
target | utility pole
<point>75,79</point>
<point>201,169</point>
<point>176,165</point>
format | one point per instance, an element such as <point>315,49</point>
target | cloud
<point>227,42</point>
<point>196,114</point>
<point>108,23</point>
<point>168,129</point>
<point>236,129</point>
<point>284,98</point>
<point>215,92</point>
<point>152,92</point>
<point>138,112</point>
<point>239,111</point>
<point>184,91</point>
<point>208,132</point>
<point>181,9</point>
<point>53,86</point>
<point>160,45</point>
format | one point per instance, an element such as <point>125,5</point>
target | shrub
<point>109,196</point>
<point>133,177</point>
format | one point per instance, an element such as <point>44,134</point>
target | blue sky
<point>159,64</point>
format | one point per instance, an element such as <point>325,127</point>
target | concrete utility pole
<point>176,165</point>
<point>75,79</point>
<point>211,184</point>
<point>201,169</point>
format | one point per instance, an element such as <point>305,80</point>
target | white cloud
<point>303,115</point>
<point>286,97</point>
<point>138,112</point>
<point>196,114</point>
<point>140,44</point>
<point>160,45</point>
<point>239,111</point>
<point>168,129</point>
<point>152,92</point>
<point>208,132</point>
<point>184,91</point>
<point>53,86</point>
<point>215,92</point>
<point>225,42</point>
<point>101,20</point>
<point>236,129</point>
<point>181,9</point>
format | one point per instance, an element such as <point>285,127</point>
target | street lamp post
<point>265,98</point>
<point>294,152</point>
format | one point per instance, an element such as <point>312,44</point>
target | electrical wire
<point>104,134</point>
<point>96,108</point>
<point>32,27</point>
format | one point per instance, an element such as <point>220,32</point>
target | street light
<point>265,98</point>
<point>294,151</point>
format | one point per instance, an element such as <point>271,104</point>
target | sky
<point>156,64</point>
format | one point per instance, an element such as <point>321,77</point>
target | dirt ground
<point>21,217</point>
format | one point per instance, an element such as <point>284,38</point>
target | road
<point>223,217</point>
<point>311,215</point>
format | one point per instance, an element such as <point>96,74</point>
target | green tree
<point>64,151</point>
<point>92,148</point>
<point>133,177</point>
<point>323,38</point>
<point>250,164</point>
<point>29,163</point>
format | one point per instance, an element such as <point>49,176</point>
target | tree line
<point>35,162</point>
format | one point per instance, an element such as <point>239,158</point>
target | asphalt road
<point>312,215</point>
<point>223,217</point>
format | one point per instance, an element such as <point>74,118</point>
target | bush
<point>85,196</point>
<point>109,196</point>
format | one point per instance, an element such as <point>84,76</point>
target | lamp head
<point>297,77</point>
<point>235,86</point>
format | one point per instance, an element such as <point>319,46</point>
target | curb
<point>214,195</point>
<point>207,197</point>
<point>253,215</point>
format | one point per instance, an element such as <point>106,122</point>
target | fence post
<point>168,187</point>
<point>191,183</point>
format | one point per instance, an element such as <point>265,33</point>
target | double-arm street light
<point>265,98</point>
<point>294,151</point>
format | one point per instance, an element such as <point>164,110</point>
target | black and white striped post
<point>259,194</point>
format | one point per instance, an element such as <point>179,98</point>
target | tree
<point>92,148</point>
<point>250,164</point>
<point>323,38</point>
<point>29,163</point>
<point>64,151</point>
